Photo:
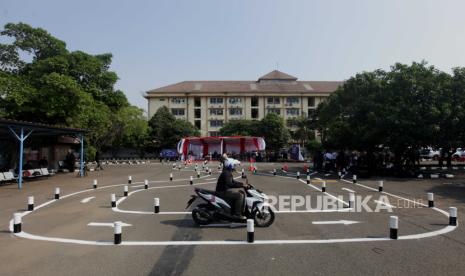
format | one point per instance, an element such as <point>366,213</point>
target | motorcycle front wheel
<point>263,219</point>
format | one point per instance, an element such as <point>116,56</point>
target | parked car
<point>430,153</point>
<point>459,153</point>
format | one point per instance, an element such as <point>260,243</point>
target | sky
<point>156,43</point>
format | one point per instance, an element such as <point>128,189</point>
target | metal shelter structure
<point>21,130</point>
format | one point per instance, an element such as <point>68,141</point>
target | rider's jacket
<point>226,181</point>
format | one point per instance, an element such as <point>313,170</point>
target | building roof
<point>38,129</point>
<point>277,75</point>
<point>273,82</point>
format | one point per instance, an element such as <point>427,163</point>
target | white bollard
<point>430,200</point>
<point>156,204</point>
<point>393,227</point>
<point>308,171</point>
<point>146,184</point>
<point>129,179</point>
<point>113,200</point>
<point>198,174</point>
<point>17,222</point>
<point>242,173</point>
<point>179,167</point>
<point>171,177</point>
<point>250,231</point>
<point>354,178</point>
<point>323,187</point>
<point>209,171</point>
<point>380,185</point>
<point>192,180</point>
<point>118,232</point>
<point>339,174</point>
<point>95,184</point>
<point>125,193</point>
<point>308,179</point>
<point>453,216</point>
<point>57,193</point>
<point>351,200</point>
<point>298,175</point>
<point>30,203</point>
<point>274,172</point>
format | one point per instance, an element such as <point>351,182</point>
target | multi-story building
<point>210,104</point>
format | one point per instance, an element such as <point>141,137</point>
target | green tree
<point>240,127</point>
<point>276,134</point>
<point>166,130</point>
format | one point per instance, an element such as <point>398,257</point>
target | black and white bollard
<point>393,227</point>
<point>156,204</point>
<point>351,200</point>
<point>250,231</point>
<point>274,172</point>
<point>195,167</point>
<point>125,193</point>
<point>380,185</point>
<point>339,174</point>
<point>430,200</point>
<point>57,193</point>
<point>198,174</point>
<point>323,187</point>
<point>171,177</point>
<point>179,167</point>
<point>95,184</point>
<point>298,175</point>
<point>17,222</point>
<point>209,171</point>
<point>453,216</point>
<point>191,180</point>
<point>30,203</point>
<point>146,184</point>
<point>242,173</point>
<point>354,178</point>
<point>308,171</point>
<point>113,200</point>
<point>174,165</point>
<point>118,232</point>
<point>308,179</point>
<point>129,179</point>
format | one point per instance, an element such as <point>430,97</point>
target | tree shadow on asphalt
<point>455,191</point>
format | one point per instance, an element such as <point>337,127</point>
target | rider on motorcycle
<point>226,184</point>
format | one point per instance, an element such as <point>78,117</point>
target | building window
<point>254,101</point>
<point>292,111</point>
<point>177,100</point>
<point>291,123</point>
<point>178,111</point>
<point>273,100</point>
<point>197,102</point>
<point>216,123</point>
<point>274,110</point>
<point>216,100</point>
<point>198,124</point>
<point>254,113</point>
<point>162,99</point>
<point>311,101</point>
<point>235,111</point>
<point>292,100</point>
<point>197,113</point>
<point>216,111</point>
<point>234,100</point>
<point>214,133</point>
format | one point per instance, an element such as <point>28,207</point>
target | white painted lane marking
<point>26,235</point>
<point>108,224</point>
<point>345,222</point>
<point>349,190</point>
<point>326,193</point>
<point>86,242</point>
<point>87,199</point>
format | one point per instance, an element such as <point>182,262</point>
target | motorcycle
<point>216,209</point>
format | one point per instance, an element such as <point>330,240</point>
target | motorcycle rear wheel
<point>198,218</point>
